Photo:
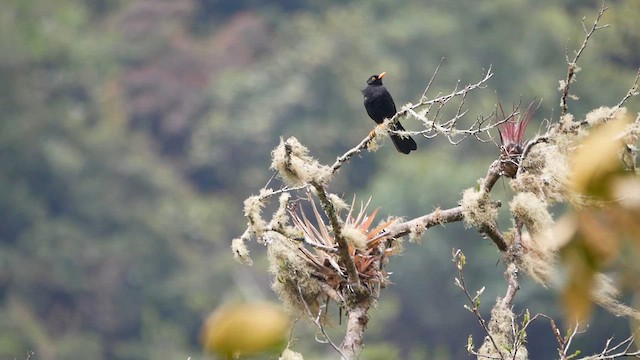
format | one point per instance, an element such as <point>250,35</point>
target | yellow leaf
<point>245,329</point>
<point>576,296</point>
<point>598,158</point>
<point>599,237</point>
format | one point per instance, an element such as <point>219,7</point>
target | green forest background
<point>132,130</point>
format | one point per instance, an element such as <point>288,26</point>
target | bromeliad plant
<point>322,257</point>
<point>313,250</point>
<point>511,129</point>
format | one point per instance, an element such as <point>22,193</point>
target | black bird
<point>380,106</point>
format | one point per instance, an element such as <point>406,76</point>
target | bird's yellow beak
<point>382,75</point>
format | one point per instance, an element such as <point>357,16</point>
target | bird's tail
<point>403,144</point>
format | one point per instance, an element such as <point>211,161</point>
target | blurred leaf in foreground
<point>246,329</point>
<point>592,237</point>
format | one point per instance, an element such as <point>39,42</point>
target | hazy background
<point>131,131</point>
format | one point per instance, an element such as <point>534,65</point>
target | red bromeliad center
<point>511,132</point>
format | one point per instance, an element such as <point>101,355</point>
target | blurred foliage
<point>592,238</point>
<point>132,129</point>
<point>247,329</point>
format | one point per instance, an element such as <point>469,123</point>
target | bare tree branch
<point>437,217</point>
<point>491,230</point>
<point>573,68</point>
<point>435,73</point>
<point>511,274</point>
<point>633,91</point>
<point>356,324</point>
<point>622,350</point>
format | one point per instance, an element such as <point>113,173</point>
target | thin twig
<point>621,350</point>
<point>459,260</point>
<point>316,321</point>
<point>633,91</point>
<point>353,151</point>
<point>573,68</point>
<point>435,73</point>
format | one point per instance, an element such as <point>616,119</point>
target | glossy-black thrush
<point>379,105</point>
